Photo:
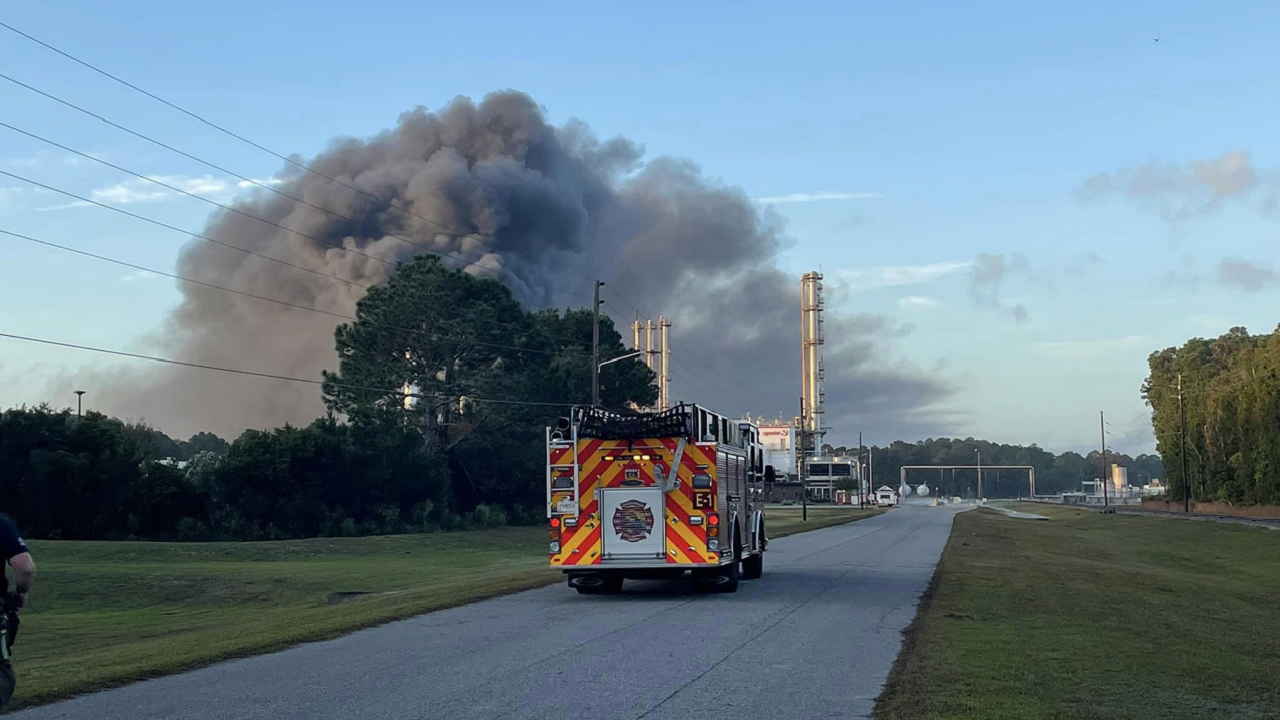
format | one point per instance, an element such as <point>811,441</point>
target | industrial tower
<point>661,366</point>
<point>811,370</point>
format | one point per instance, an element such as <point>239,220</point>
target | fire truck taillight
<point>555,522</point>
<point>713,545</point>
<point>555,547</point>
<point>713,519</point>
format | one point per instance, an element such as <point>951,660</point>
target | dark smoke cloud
<point>1177,193</point>
<point>988,275</point>
<point>1246,275</point>
<point>543,207</point>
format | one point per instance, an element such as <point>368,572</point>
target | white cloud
<point>9,197</point>
<point>139,190</point>
<point>1092,349</point>
<point>818,197</point>
<point>916,301</point>
<point>129,192</point>
<point>895,275</point>
<point>139,276</point>
<point>270,182</point>
<point>64,206</point>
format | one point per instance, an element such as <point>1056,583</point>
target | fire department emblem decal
<point>632,521</point>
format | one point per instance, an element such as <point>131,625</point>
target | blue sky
<point>899,142</point>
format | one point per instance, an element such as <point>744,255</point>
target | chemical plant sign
<point>776,438</point>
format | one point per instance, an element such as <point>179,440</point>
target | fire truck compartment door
<point>633,522</point>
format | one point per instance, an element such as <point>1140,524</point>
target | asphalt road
<point>814,638</point>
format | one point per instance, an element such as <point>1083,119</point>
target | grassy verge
<point>783,521</point>
<point>1094,616</point>
<point>107,613</point>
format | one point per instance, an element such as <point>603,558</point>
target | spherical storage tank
<point>923,491</point>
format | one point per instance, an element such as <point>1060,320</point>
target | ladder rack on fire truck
<point>555,470</point>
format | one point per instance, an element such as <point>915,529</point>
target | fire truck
<point>655,495</point>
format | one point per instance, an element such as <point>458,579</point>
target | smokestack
<point>811,369</point>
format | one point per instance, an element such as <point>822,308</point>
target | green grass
<point>107,613</point>
<point>1094,616</point>
<point>783,521</point>
<point>104,613</point>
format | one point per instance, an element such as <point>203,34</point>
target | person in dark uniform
<point>24,571</point>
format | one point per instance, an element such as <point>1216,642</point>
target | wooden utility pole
<point>862,497</point>
<point>1102,423</point>
<point>1182,444</point>
<point>664,380</point>
<point>595,345</point>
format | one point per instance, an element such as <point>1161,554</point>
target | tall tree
<point>486,374</point>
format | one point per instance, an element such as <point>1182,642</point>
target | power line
<point>720,384</point>
<point>175,228</point>
<point>286,263</point>
<point>628,303</point>
<point>241,138</point>
<point>476,264</point>
<point>206,238</point>
<point>221,129</point>
<point>285,303</point>
<point>201,198</point>
<point>270,376</point>
<point>737,383</point>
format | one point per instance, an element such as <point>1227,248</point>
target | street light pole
<point>803,434</point>
<point>979,498</point>
<point>620,357</point>
<point>79,404</point>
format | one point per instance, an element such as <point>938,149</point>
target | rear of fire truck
<point>654,495</point>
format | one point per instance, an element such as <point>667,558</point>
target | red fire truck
<point>655,495</point>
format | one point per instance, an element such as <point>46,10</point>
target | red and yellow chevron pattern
<point>686,544</point>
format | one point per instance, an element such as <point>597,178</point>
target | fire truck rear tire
<point>608,585</point>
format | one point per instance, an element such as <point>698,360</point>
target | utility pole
<point>1182,444</point>
<point>802,432</point>
<point>595,345</point>
<point>80,396</point>
<point>862,496</point>
<point>1102,423</point>
<point>664,381</point>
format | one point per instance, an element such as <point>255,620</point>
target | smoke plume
<point>542,207</point>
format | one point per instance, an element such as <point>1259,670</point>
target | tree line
<point>1230,393</point>
<point>1055,473</point>
<point>435,422</point>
